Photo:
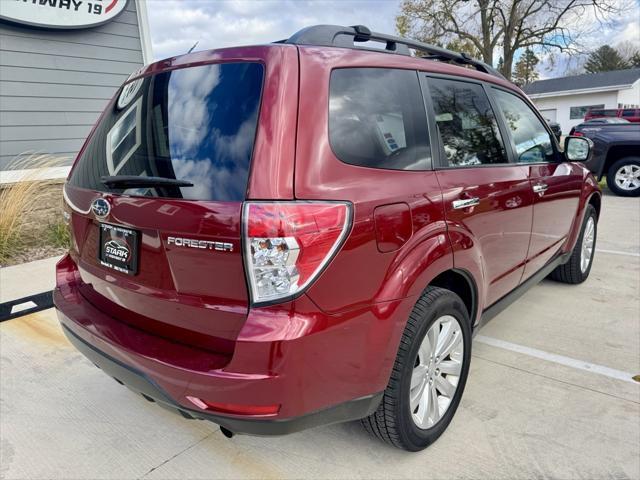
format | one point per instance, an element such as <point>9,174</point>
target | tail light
<point>287,244</point>
<point>578,134</point>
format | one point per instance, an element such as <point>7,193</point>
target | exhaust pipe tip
<point>226,432</point>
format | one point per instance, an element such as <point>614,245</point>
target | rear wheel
<point>429,373</point>
<point>623,177</point>
<point>577,269</point>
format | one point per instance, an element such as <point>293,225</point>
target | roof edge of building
<point>580,91</point>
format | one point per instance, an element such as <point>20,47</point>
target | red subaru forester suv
<point>283,236</point>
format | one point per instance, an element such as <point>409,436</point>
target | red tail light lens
<point>578,134</point>
<point>287,244</point>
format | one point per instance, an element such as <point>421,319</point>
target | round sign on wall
<point>61,13</point>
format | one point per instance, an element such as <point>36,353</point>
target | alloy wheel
<point>628,177</point>
<point>436,373</point>
<point>587,244</point>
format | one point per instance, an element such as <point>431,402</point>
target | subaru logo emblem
<point>100,207</point>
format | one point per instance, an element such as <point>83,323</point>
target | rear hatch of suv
<point>156,201</point>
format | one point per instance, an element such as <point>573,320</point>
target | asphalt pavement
<point>550,395</point>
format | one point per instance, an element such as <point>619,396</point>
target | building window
<point>578,113</point>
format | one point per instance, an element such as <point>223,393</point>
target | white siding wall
<point>55,83</point>
<point>630,96</point>
<point>563,103</point>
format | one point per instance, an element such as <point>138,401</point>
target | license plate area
<point>118,248</point>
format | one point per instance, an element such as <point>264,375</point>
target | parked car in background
<point>629,114</point>
<point>233,261</point>
<point>577,130</point>
<point>555,128</point>
<point>616,154</point>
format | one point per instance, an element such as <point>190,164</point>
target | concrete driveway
<point>549,396</point>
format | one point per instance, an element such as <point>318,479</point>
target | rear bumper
<point>316,368</point>
<point>149,389</point>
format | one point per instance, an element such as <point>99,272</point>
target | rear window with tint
<point>377,119</point>
<point>195,124</point>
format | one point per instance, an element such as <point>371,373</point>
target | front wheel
<point>623,177</point>
<point>429,373</point>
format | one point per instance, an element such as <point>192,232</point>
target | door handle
<point>540,188</point>
<point>466,203</point>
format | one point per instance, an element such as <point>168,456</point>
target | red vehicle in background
<point>629,114</point>
<point>283,236</point>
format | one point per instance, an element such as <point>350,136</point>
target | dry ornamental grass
<point>19,201</point>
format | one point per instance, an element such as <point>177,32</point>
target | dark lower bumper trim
<point>141,383</point>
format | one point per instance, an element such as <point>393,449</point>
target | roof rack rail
<point>347,37</point>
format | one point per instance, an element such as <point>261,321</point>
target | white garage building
<point>566,100</point>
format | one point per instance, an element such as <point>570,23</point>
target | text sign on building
<point>61,13</point>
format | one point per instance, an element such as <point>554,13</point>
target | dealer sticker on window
<point>118,248</point>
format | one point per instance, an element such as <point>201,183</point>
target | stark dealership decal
<point>117,250</point>
<point>61,13</point>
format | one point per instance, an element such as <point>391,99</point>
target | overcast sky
<point>177,24</point>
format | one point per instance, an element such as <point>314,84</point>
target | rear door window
<point>194,124</point>
<point>377,119</point>
<point>466,123</point>
<point>531,139</point>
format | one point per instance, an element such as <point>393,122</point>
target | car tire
<point>623,177</point>
<point>437,310</point>
<point>577,269</point>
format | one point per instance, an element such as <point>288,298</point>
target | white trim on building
<point>145,34</point>
<point>612,88</point>
<point>51,173</point>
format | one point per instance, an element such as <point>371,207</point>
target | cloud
<point>631,31</point>
<point>594,30</point>
<point>188,108</point>
<point>177,25</point>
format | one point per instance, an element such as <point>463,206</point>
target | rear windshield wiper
<point>134,181</point>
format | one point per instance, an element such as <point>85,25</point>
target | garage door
<point>549,114</point>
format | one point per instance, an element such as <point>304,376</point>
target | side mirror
<point>578,149</point>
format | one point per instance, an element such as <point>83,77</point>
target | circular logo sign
<point>61,13</point>
<point>129,91</point>
<point>100,207</point>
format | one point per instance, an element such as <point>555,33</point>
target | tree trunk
<point>485,22</point>
<point>507,67</point>
<point>508,40</point>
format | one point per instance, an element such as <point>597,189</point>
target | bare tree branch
<point>546,25</point>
